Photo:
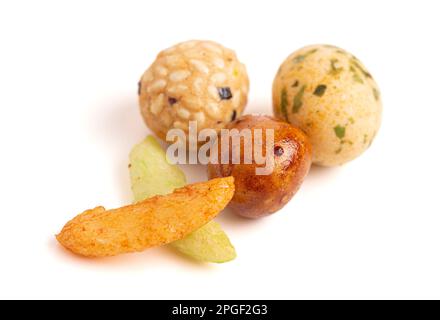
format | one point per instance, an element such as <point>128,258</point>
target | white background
<point>69,116</point>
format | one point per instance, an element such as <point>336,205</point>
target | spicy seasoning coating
<point>194,80</point>
<point>331,96</point>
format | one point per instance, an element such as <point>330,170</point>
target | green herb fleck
<point>365,138</point>
<point>333,69</point>
<point>295,84</point>
<point>356,63</point>
<point>339,131</point>
<point>341,51</point>
<point>302,57</point>
<point>320,90</point>
<point>351,120</point>
<point>376,94</point>
<point>338,151</point>
<point>284,103</point>
<point>347,141</point>
<point>356,76</point>
<point>299,58</point>
<point>297,101</point>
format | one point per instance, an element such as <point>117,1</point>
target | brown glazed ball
<point>260,195</point>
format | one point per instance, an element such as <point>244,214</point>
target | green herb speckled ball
<point>330,95</point>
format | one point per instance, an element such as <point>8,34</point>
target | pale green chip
<point>209,243</point>
<point>151,174</point>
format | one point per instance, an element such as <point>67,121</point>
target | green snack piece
<point>209,244</point>
<point>150,172</point>
<point>151,175</point>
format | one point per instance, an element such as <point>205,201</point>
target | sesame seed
<point>179,75</point>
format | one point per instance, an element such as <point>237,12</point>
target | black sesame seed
<point>139,88</point>
<point>278,151</point>
<point>224,93</point>
<point>172,100</point>
<point>234,115</point>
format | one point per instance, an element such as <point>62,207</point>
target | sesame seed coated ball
<point>193,81</point>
